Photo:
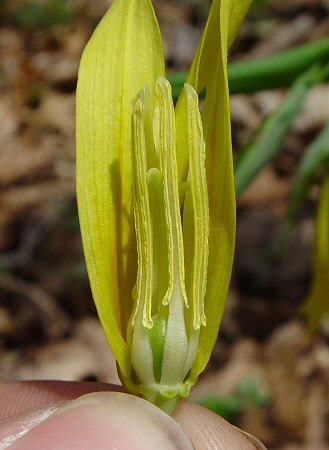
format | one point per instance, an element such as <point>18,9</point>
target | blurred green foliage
<point>272,132</point>
<point>315,158</point>
<point>275,71</point>
<point>36,15</point>
<point>248,393</point>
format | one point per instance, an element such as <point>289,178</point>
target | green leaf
<point>314,158</point>
<point>278,70</point>
<point>254,156</point>
<point>275,71</point>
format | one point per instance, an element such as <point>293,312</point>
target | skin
<point>86,416</point>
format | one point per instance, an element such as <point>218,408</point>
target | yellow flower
<point>316,304</point>
<point>156,196</point>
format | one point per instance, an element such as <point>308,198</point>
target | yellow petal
<point>223,24</point>
<point>316,305</point>
<point>209,70</point>
<point>124,54</point>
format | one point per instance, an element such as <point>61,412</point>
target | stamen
<point>166,143</point>
<point>163,331</point>
<point>198,183</point>
<point>142,215</point>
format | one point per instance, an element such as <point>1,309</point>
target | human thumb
<point>102,421</point>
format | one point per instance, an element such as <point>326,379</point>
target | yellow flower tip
<point>162,323</point>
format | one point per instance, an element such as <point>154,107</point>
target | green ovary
<point>172,228</point>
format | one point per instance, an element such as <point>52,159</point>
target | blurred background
<point>266,374</point>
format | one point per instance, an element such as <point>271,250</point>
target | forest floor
<point>266,375</point>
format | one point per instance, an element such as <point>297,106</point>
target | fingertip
<point>207,430</point>
<point>103,421</point>
<point>19,397</point>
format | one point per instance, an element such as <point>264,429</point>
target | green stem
<point>276,71</point>
<point>168,405</point>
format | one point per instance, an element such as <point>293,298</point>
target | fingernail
<point>106,420</point>
<point>207,430</point>
<point>15,427</point>
<point>257,443</point>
